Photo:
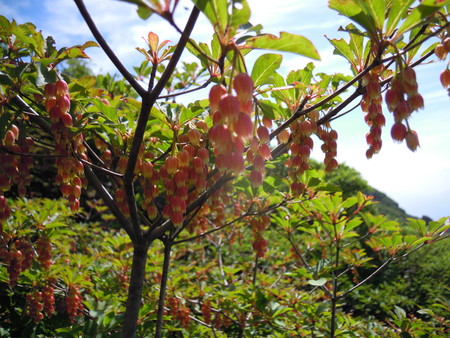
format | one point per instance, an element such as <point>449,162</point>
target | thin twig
<point>109,52</point>
<point>99,168</point>
<point>109,201</point>
<point>365,280</point>
<point>190,239</point>
<point>186,91</point>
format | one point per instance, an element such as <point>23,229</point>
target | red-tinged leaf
<point>161,46</point>
<point>153,41</point>
<point>89,44</point>
<point>285,43</point>
<point>144,52</point>
<point>74,51</point>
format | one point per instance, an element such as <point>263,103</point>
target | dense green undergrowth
<point>215,287</point>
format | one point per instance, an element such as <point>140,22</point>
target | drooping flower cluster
<point>371,105</point>
<point>74,302</point>
<point>70,175</point>
<point>15,165</point>
<point>44,251</point>
<point>402,99</point>
<point>40,303</point>
<point>179,312</point>
<point>258,226</point>
<point>232,127</point>
<point>184,176</point>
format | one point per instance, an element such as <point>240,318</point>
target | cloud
<point>16,11</point>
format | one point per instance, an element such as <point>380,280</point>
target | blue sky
<point>418,181</point>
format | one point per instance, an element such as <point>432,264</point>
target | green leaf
<point>353,223</point>
<point>302,273</point>
<point>261,301</point>
<point>317,282</point>
<point>397,11</point>
<point>287,42</point>
<point>144,12</point>
<point>329,187</point>
<point>301,76</point>
<point>399,312</point>
<point>28,34</point>
<point>109,111</point>
<point>269,186</point>
<point>356,41</point>
<point>194,51</point>
<point>240,13</point>
<point>353,11</point>
<point>376,10</point>
<point>342,48</point>
<point>44,75</point>
<point>281,310</point>
<point>350,202</point>
<point>264,67</point>
<point>426,312</point>
<point>55,225</point>
<point>269,109</point>
<point>420,13</point>
<point>419,241</point>
<point>217,13</point>
<point>188,114</point>
<point>158,114</point>
<point>5,79</point>
<point>216,48</point>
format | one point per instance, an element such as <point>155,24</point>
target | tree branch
<point>109,52</point>
<point>148,100</point>
<point>381,267</point>
<point>204,85</point>
<point>162,290</point>
<point>109,201</point>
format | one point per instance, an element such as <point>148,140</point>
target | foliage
<point>194,188</point>
<point>213,281</point>
<point>410,284</point>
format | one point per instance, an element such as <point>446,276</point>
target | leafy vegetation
<point>208,218</point>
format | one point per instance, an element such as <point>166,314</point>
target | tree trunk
<point>162,291</point>
<point>135,290</point>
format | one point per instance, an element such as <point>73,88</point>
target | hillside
<point>351,181</point>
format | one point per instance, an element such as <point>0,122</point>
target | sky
<point>418,182</point>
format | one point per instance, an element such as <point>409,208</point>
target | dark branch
<point>109,52</point>
<point>148,100</point>
<point>109,201</point>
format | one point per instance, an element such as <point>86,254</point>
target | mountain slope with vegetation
<point>351,181</point>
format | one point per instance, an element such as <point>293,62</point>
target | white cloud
<point>15,11</point>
